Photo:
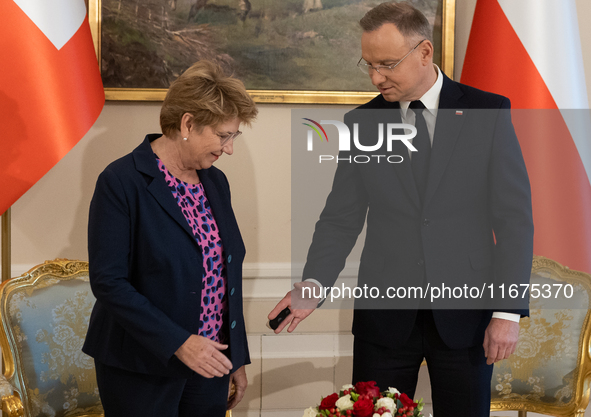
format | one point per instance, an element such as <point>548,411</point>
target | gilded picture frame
<point>142,20</point>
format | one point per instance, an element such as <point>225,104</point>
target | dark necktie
<point>420,159</point>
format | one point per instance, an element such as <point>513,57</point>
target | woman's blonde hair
<point>209,95</point>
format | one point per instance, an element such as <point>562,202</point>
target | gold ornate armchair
<point>550,371</point>
<point>44,316</point>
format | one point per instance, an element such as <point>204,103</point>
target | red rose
<point>364,388</point>
<point>328,402</point>
<point>363,408</point>
<point>406,402</point>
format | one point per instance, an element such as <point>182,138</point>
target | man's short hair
<point>408,20</point>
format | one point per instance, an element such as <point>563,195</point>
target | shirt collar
<point>431,98</point>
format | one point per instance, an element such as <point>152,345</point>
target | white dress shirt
<point>431,102</point>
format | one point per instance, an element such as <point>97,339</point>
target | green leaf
<point>421,405</point>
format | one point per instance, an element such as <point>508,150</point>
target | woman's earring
<point>184,138</point>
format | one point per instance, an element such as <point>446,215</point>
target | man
<point>459,209</point>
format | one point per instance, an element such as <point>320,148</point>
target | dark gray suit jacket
<point>477,190</point>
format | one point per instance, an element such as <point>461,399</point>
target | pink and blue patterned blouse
<point>195,207</point>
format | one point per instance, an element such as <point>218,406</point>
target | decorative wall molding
<point>300,346</point>
<point>287,270</point>
<point>268,280</point>
<point>261,280</point>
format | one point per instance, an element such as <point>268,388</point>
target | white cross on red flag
<point>50,88</point>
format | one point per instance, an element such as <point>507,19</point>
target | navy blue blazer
<point>146,268</point>
<point>477,189</point>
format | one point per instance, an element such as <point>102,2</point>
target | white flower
<point>393,391</point>
<point>499,387</point>
<point>386,402</point>
<point>376,415</point>
<point>344,403</point>
<point>310,412</point>
<point>386,414</point>
<point>347,386</point>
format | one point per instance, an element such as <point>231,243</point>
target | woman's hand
<point>240,382</point>
<point>204,356</point>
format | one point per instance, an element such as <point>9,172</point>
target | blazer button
<point>233,324</point>
<point>420,262</point>
<point>229,258</point>
<point>232,291</point>
<point>426,222</point>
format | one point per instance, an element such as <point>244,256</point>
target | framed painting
<point>285,51</point>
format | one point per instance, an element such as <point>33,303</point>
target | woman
<point>167,330</point>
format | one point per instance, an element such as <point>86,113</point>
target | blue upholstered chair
<point>550,371</point>
<point>44,316</point>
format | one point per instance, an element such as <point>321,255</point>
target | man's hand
<point>239,380</point>
<point>500,339</point>
<point>204,356</point>
<point>294,298</point>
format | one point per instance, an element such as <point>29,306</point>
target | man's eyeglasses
<point>225,138</point>
<point>384,70</point>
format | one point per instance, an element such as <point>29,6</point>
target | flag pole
<point>6,255</point>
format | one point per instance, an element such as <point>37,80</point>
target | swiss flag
<point>50,88</point>
<point>530,51</point>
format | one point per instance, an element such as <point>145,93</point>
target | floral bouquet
<point>364,399</point>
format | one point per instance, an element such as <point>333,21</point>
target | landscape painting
<point>306,48</point>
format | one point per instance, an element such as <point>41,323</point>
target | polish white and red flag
<point>50,88</point>
<point>530,51</point>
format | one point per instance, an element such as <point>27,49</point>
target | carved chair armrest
<point>12,405</point>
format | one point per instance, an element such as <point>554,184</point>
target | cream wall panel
<point>50,220</point>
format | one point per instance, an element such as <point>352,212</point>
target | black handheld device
<point>273,324</point>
